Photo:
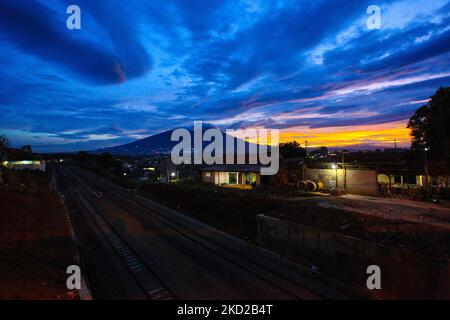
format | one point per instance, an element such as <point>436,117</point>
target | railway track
<point>287,279</point>
<point>146,279</point>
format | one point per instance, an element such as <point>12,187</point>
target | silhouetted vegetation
<point>292,149</point>
<point>103,164</point>
<point>5,145</point>
<point>231,210</point>
<point>319,153</point>
<point>430,126</point>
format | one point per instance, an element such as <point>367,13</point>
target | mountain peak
<point>156,144</point>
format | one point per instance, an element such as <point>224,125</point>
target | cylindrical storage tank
<point>311,185</point>
<point>301,185</point>
<point>320,185</point>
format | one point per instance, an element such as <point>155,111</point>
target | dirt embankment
<point>231,210</point>
<point>235,211</point>
<point>35,239</point>
<point>395,230</point>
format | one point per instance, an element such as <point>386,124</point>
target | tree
<point>83,155</point>
<point>430,126</point>
<point>320,153</point>
<point>5,145</point>
<point>105,158</point>
<point>107,164</point>
<point>27,149</point>
<point>4,142</point>
<point>323,151</point>
<point>292,150</point>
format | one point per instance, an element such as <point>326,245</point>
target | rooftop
<point>233,167</point>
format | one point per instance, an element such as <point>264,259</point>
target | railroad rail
<point>287,279</point>
<point>146,279</point>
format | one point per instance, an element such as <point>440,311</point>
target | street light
<point>334,166</point>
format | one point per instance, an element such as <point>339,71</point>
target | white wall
<point>357,181</point>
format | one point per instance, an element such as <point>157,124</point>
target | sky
<point>312,69</point>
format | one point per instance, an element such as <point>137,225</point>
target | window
<point>409,179</point>
<point>207,174</point>
<point>250,178</point>
<point>232,178</point>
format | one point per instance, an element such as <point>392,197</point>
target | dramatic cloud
<point>38,30</point>
<point>309,68</point>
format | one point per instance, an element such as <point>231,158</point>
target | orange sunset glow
<point>377,135</point>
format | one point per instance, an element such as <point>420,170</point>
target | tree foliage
<point>430,126</point>
<point>4,142</point>
<point>5,145</point>
<point>292,149</point>
<point>319,153</point>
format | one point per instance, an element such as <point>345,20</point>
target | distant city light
<point>22,162</point>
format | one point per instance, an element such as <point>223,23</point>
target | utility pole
<point>395,144</point>
<point>165,161</point>
<point>306,148</point>
<point>344,170</point>
<point>427,184</point>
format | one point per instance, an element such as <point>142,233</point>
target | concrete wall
<point>404,274</point>
<point>219,177</point>
<point>215,177</point>
<point>208,177</point>
<point>356,181</point>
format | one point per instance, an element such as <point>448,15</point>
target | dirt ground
<point>35,242</point>
<point>408,210</point>
<point>421,227</point>
<point>231,210</point>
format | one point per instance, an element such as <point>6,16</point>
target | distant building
<point>170,172</point>
<point>25,165</point>
<point>380,174</point>
<point>351,179</point>
<point>410,178</point>
<point>240,176</point>
<point>290,170</point>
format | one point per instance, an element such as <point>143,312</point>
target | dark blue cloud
<point>35,29</point>
<point>139,67</point>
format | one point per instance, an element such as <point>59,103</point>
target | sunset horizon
<point>293,66</point>
<point>224,158</point>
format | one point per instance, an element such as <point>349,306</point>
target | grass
<point>231,210</point>
<point>35,239</point>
